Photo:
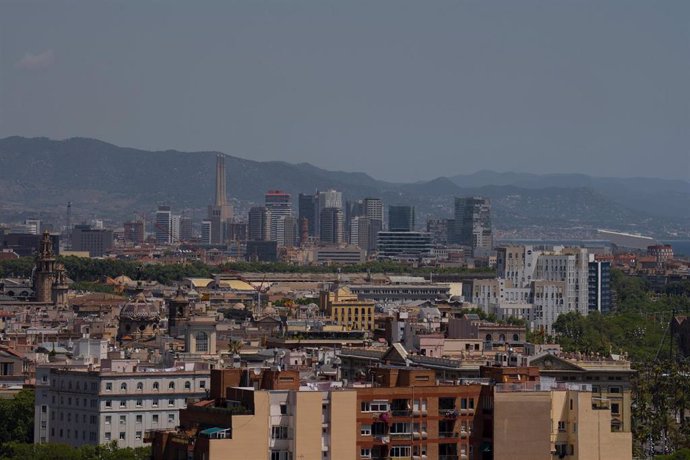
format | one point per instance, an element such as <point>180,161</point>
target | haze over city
<point>404,91</point>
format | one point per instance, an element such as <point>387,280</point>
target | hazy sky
<point>403,90</point>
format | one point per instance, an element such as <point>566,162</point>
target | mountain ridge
<point>40,173</point>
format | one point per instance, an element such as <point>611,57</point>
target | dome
<point>269,311</point>
<point>238,306</point>
<point>139,309</point>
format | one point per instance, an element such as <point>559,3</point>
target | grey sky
<point>403,90</point>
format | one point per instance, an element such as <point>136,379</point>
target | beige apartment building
<point>535,421</point>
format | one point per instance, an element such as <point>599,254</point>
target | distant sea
<point>680,247</point>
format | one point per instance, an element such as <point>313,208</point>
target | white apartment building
<point>535,285</point>
<point>77,405</point>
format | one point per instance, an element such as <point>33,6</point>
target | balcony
<point>401,412</point>
<point>448,434</point>
<point>382,439</point>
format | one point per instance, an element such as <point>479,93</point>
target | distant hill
<point>39,175</point>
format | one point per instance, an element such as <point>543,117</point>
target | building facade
<point>116,403</point>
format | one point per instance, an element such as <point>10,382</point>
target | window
<point>279,432</point>
<point>123,419</point>
<point>374,406</point>
<point>108,436</point>
<point>140,403</point>
<point>123,403</point>
<point>615,390</point>
<point>201,341</point>
<point>156,386</point>
<point>615,408</point>
<point>281,455</point>
<point>365,453</point>
<point>140,386</point>
<point>283,409</point>
<point>123,435</point>
<point>137,435</point>
<point>171,386</point>
<point>188,385</point>
<point>154,418</point>
<point>171,418</point>
<point>400,451</point>
<point>154,403</point>
<point>202,384</point>
<point>139,419</point>
<point>123,386</point>
<point>171,403</point>
<point>365,430</point>
<point>108,419</point>
<point>561,427</point>
<point>108,404</point>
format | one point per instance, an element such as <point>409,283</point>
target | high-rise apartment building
<point>175,227</point>
<point>163,225</point>
<point>599,285</point>
<point>401,218</point>
<point>287,233</point>
<point>279,205</point>
<point>259,224</point>
<point>473,223</point>
<point>373,208</point>
<point>331,225</point>
<point>221,211</point>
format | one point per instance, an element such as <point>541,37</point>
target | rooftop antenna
<point>68,220</point>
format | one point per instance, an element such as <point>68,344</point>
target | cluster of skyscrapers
<point>322,219</point>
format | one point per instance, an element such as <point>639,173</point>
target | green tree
<point>17,418</point>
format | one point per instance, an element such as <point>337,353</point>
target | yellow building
<point>280,421</point>
<point>534,421</point>
<point>345,308</point>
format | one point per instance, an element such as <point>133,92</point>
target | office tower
<point>473,223</point>
<point>327,199</point>
<point>402,244</point>
<point>364,231</point>
<point>134,232</point>
<point>373,208</point>
<point>287,231</point>
<point>401,218</point>
<point>175,225</point>
<point>95,241</point>
<point>221,211</point>
<point>307,211</point>
<point>206,232</point>
<point>186,232</point>
<point>438,229</point>
<point>33,226</point>
<point>259,224</point>
<point>279,205</point>
<point>599,285</point>
<point>163,225</point>
<point>237,231</point>
<point>331,225</point>
<point>353,209</point>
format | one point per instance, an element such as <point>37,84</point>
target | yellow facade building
<point>346,309</point>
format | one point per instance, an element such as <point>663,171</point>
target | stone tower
<point>60,287</point>
<point>44,274</point>
<point>178,312</point>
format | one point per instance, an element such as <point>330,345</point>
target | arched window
<point>489,338</point>
<point>171,386</point>
<point>502,338</point>
<point>201,341</point>
<point>140,386</point>
<point>123,386</point>
<point>516,338</point>
<point>156,386</point>
<point>188,385</point>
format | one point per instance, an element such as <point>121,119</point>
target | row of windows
<point>138,418</point>
<point>72,434</point>
<point>139,403</point>
<point>155,386</point>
